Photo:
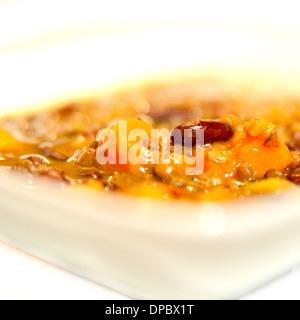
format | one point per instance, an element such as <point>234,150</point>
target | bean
<point>24,165</point>
<point>245,173</point>
<point>34,166</point>
<point>86,158</point>
<point>296,171</point>
<point>49,152</point>
<point>50,172</point>
<point>94,145</point>
<point>91,174</point>
<point>214,131</point>
<point>294,177</point>
<point>275,174</point>
<point>164,172</point>
<point>36,159</point>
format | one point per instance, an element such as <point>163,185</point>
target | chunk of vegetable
<point>7,141</point>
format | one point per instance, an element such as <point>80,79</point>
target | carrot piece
<point>262,158</point>
<point>257,145</point>
<point>7,141</point>
<point>123,144</point>
<point>261,148</point>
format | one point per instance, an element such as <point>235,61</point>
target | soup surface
<point>212,142</point>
